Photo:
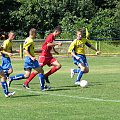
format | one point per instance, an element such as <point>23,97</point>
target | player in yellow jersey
<point>7,53</point>
<point>3,81</point>
<point>77,50</point>
<point>30,61</point>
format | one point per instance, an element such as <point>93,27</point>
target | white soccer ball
<point>83,83</point>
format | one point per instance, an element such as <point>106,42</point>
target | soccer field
<point>65,101</point>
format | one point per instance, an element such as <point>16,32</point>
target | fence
<point>108,47</point>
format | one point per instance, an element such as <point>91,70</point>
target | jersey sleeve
<point>88,43</point>
<point>71,47</point>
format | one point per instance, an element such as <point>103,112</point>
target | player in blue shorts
<point>4,83</point>
<point>7,53</point>
<point>30,61</point>
<point>77,50</point>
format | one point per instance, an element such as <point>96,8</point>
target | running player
<point>46,58</point>
<point>30,61</point>
<point>77,50</point>
<point>7,53</point>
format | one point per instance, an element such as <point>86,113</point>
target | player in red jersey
<point>46,58</point>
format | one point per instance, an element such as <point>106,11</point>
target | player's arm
<point>4,51</point>
<point>71,50</point>
<point>55,51</point>
<point>74,55</point>
<point>29,55</point>
<point>92,47</point>
<point>54,44</point>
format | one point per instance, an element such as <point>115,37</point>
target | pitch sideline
<point>69,96</point>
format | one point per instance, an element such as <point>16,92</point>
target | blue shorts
<point>1,69</point>
<point>81,60</point>
<point>29,63</point>
<point>6,63</point>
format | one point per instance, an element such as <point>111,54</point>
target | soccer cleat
<point>26,86</point>
<point>48,87</point>
<point>77,83</point>
<point>72,73</point>
<point>9,81</point>
<point>47,80</point>
<point>10,94</point>
<point>43,88</point>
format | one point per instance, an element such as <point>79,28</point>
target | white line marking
<point>69,96</point>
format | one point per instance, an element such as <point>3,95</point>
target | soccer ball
<point>83,83</point>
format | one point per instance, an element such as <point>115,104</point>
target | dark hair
<point>58,28</point>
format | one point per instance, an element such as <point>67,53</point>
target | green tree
<point>116,30</point>
<point>101,25</point>
<point>6,6</point>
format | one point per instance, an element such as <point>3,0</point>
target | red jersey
<point>46,49</point>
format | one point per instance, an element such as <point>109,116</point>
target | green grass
<point>100,101</point>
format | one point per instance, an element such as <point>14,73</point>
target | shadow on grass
<point>23,82</point>
<point>95,83</point>
<point>24,96</point>
<point>59,88</point>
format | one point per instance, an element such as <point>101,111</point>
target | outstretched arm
<point>54,44</point>
<point>93,48</point>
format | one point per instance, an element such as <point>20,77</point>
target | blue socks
<point>76,70</point>
<point>17,77</point>
<point>42,82</point>
<point>5,87</point>
<point>79,76</point>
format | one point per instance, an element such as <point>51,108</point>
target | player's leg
<point>80,74</point>
<point>41,61</point>
<point>40,72</point>
<point>56,66</point>
<point>28,80</point>
<point>7,72</point>
<point>4,85</point>
<point>7,67</point>
<point>27,67</point>
<point>73,71</point>
<point>83,65</point>
<point>19,76</point>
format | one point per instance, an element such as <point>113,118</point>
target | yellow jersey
<point>7,46</point>
<point>78,46</point>
<point>29,46</point>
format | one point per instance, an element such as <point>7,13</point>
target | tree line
<point>101,17</point>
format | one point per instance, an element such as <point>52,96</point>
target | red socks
<point>54,69</point>
<point>32,75</point>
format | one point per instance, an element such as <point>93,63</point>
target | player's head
<point>11,35</point>
<point>79,34</point>
<point>32,33</point>
<point>57,31</point>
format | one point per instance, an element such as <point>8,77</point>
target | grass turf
<point>65,101</point>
